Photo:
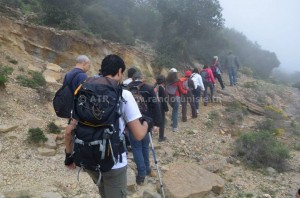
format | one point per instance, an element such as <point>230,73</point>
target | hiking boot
<point>175,130</point>
<point>197,111</point>
<point>152,174</point>
<point>162,139</point>
<point>184,119</point>
<point>140,181</point>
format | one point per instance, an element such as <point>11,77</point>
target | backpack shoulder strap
<point>73,77</point>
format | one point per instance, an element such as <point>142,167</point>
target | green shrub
<point>213,115</point>
<point>262,149</point>
<point>235,113</point>
<point>53,128</point>
<point>21,69</point>
<point>4,72</point>
<point>253,85</point>
<point>297,85</point>
<point>247,71</point>
<point>37,80</point>
<point>36,135</point>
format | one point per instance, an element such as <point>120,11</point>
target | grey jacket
<point>232,62</point>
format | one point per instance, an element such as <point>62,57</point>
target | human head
<point>172,75</point>
<point>216,58</point>
<point>205,66</point>
<point>113,66</point>
<point>173,70</point>
<point>160,79</point>
<point>187,73</point>
<point>196,70</point>
<point>131,71</point>
<point>137,75</point>
<point>83,62</point>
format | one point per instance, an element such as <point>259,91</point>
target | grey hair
<point>137,75</point>
<point>82,59</point>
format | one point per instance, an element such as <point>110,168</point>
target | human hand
<point>69,161</point>
<point>155,129</point>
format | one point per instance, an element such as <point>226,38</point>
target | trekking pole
<point>155,161</point>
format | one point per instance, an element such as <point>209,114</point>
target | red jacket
<point>180,89</point>
<point>210,75</point>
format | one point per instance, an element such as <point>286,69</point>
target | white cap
<point>216,57</point>
<point>173,70</point>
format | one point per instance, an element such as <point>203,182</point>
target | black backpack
<point>98,142</point>
<point>63,99</point>
<point>138,97</point>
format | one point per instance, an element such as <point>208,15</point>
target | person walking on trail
<point>216,69</point>
<point>113,182</point>
<point>196,77</point>
<point>208,81</point>
<point>232,64</point>
<point>162,96</point>
<point>189,85</point>
<point>174,89</point>
<point>77,75</point>
<point>130,73</point>
<point>149,106</point>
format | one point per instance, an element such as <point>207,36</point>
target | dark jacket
<point>147,91</point>
<point>162,98</point>
<point>232,62</point>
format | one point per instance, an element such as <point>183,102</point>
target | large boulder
<point>186,180</point>
<point>51,76</point>
<point>54,67</point>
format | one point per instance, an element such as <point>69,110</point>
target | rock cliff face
<point>62,47</point>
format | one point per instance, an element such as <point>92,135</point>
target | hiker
<point>130,73</point>
<point>77,75</point>
<point>216,69</point>
<point>149,106</point>
<point>189,85</point>
<point>232,65</point>
<point>208,81</point>
<point>96,140</point>
<point>162,96</point>
<point>196,77</point>
<point>174,89</point>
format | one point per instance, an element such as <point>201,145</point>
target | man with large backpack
<point>208,81</point>
<point>73,79</point>
<point>149,106</point>
<point>103,109</point>
<point>189,85</point>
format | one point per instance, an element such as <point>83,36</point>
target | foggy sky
<point>274,24</point>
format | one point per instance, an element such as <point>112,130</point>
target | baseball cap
<point>188,73</point>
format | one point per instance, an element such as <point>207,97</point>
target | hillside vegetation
<point>180,31</point>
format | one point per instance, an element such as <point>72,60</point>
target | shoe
<point>152,174</point>
<point>162,139</point>
<point>184,119</point>
<point>140,181</point>
<point>197,111</point>
<point>195,116</point>
<point>175,130</point>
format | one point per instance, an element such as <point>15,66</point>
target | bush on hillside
<point>36,135</point>
<point>297,85</point>
<point>53,128</point>
<point>247,71</point>
<point>35,81</point>
<point>262,149</point>
<point>4,72</point>
<point>235,113</point>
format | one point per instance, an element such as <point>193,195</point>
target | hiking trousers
<point>185,99</point>
<point>211,87</point>
<point>113,183</point>
<point>197,95</point>
<point>219,77</point>
<point>162,125</point>
<point>232,76</point>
